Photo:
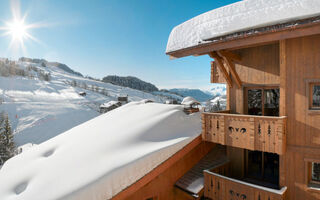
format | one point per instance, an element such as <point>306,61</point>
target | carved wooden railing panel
<point>240,132</point>
<point>260,133</point>
<point>220,187</point>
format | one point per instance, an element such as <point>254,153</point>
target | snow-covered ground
<point>101,157</point>
<point>39,110</point>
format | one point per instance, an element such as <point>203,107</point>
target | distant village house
<point>106,107</point>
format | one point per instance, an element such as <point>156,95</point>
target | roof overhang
<point>253,37</point>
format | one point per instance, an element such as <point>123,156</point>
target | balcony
<point>219,187</point>
<point>261,133</point>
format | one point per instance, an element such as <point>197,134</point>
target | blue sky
<point>113,37</point>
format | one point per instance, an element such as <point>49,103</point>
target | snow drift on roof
<point>101,157</point>
<point>240,16</point>
<point>187,101</point>
<point>109,104</point>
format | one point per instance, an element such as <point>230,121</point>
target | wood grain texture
<point>261,133</point>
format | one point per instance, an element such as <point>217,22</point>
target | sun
<point>18,30</point>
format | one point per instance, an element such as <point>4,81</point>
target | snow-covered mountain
<point>195,93</point>
<point>40,110</point>
<point>200,95</point>
<point>217,90</point>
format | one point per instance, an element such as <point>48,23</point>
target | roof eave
<point>239,40</point>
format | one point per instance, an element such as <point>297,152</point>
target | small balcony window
<point>315,172</point>
<point>314,96</point>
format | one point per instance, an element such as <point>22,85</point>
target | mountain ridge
<point>44,63</point>
<point>131,82</point>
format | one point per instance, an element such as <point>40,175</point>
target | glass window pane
<point>271,167</point>
<point>271,102</point>
<point>315,175</point>
<point>316,96</point>
<point>255,102</point>
<point>254,164</point>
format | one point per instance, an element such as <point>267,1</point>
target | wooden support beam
<point>212,72</point>
<point>219,62</point>
<point>231,55</point>
<point>232,68</point>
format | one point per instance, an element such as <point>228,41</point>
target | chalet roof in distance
<point>240,16</point>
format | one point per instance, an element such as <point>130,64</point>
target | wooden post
<point>283,106</point>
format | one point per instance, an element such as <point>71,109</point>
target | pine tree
<point>7,146</point>
<point>2,139</point>
<point>218,105</point>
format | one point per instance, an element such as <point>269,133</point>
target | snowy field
<point>101,157</point>
<point>39,110</point>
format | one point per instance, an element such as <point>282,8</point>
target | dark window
<point>271,102</point>
<point>262,168</point>
<point>263,101</point>
<point>255,102</point>
<point>316,95</point>
<point>315,172</point>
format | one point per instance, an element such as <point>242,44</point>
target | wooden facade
<point>287,61</point>
<point>271,147</point>
<point>292,65</point>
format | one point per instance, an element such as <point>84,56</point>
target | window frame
<point>308,166</point>
<point>311,85</point>
<point>262,88</point>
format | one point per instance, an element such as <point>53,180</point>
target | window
<point>262,168</point>
<point>263,101</point>
<point>315,172</point>
<point>314,96</point>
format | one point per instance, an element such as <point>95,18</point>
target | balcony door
<point>262,101</point>
<point>262,168</point>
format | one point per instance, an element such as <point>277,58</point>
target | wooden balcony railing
<point>219,187</point>
<point>262,133</point>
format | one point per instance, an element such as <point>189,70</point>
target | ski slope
<point>40,110</point>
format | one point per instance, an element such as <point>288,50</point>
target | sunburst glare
<point>17,28</point>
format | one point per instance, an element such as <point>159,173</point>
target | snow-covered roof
<point>101,157</point>
<point>110,103</point>
<point>146,101</point>
<point>187,101</point>
<point>240,16</point>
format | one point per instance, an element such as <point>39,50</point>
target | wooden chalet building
<point>266,145</point>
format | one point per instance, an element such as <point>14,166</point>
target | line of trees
<point>11,68</point>
<point>84,85</point>
<point>7,146</point>
<point>209,107</point>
